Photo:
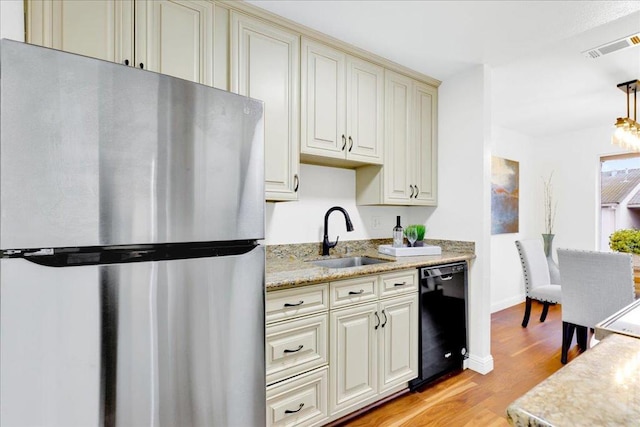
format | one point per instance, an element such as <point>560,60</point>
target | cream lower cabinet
<point>297,356</point>
<point>336,347</point>
<point>373,345</point>
<point>409,174</point>
<point>298,401</point>
<point>354,356</point>
<point>265,65</point>
<point>173,37</point>
<point>342,107</point>
<point>397,342</point>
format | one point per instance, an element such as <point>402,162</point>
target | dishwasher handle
<point>444,272</point>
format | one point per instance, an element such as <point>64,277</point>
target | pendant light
<point>627,133</point>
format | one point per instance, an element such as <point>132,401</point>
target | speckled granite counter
<point>288,266</point>
<point>599,388</point>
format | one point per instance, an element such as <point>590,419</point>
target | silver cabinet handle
<point>344,142</point>
<point>288,304</point>
<point>286,350</point>
<point>361,291</point>
<point>411,187</point>
<point>350,144</point>
<point>417,192</point>
<point>289,411</point>
<point>296,183</point>
<point>400,284</point>
<point>385,318</point>
<point>377,317</point>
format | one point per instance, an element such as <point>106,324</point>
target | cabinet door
<point>425,144</point>
<point>175,37</point>
<point>398,345</point>
<point>365,111</point>
<point>323,101</point>
<point>398,165</point>
<point>265,66</point>
<point>352,356</point>
<point>100,29</point>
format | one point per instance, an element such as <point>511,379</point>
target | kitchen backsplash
<point>309,250</point>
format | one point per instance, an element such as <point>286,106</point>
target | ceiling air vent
<point>605,49</point>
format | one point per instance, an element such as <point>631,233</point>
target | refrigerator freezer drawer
<point>166,343</point>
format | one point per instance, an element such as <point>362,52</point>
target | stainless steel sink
<point>355,261</point>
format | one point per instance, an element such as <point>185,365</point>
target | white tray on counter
<point>406,251</point>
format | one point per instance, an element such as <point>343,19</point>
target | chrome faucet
<point>326,244</point>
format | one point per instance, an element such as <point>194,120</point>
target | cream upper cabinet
<point>409,174</point>
<point>175,37</point>
<point>101,29</point>
<point>265,66</point>
<point>399,165</point>
<point>425,149</point>
<point>342,107</point>
<point>172,37</point>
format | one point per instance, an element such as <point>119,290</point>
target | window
<point>619,195</point>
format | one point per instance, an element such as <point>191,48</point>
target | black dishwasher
<point>443,321</point>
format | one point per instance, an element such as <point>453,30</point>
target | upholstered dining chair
<point>537,282</point>
<point>594,286</point>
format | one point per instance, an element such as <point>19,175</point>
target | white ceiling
<point>541,82</point>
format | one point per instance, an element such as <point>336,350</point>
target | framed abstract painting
<point>505,197</point>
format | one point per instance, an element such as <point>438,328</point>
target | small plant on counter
<point>625,240</point>
<point>420,230</point>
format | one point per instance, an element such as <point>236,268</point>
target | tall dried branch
<point>550,205</point>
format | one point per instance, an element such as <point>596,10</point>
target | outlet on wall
<point>375,222</point>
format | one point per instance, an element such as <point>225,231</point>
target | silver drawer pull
<point>400,284</point>
<point>286,350</point>
<point>288,304</point>
<point>361,291</point>
<point>289,411</point>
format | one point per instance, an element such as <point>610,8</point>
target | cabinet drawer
<point>398,282</point>
<point>296,346</point>
<point>299,401</point>
<point>289,303</point>
<point>353,291</point>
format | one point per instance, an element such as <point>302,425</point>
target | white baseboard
<point>506,303</point>
<point>482,365</point>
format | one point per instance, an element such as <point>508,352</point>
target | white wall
<point>575,159</point>
<point>463,211</point>
<point>11,19</point>
<point>321,188</point>
<point>507,284</point>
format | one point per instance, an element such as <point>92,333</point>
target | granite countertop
<point>599,388</point>
<point>288,267</point>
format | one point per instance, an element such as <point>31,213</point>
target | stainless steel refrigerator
<point>131,278</point>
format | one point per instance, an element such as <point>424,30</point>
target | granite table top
<point>601,387</point>
<point>290,272</point>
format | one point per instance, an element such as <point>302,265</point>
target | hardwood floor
<point>523,357</point>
